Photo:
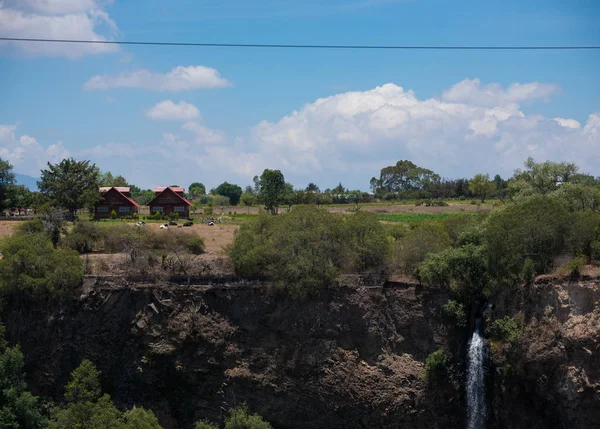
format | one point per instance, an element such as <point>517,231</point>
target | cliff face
<point>351,358</point>
<point>551,376</point>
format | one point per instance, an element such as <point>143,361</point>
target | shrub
<point>174,216</point>
<point>203,424</point>
<point>410,251</point>
<point>30,227</point>
<point>113,214</point>
<point>505,329</point>
<point>436,367</point>
<point>528,270</point>
<point>456,311</point>
<point>85,237</point>
<point>32,268</point>
<point>240,418</point>
<point>368,247</point>
<point>194,245</point>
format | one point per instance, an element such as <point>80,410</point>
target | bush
<point>410,251</point>
<point>113,214</point>
<point>30,227</point>
<point>203,424</point>
<point>85,237</point>
<point>436,367</point>
<point>32,268</point>
<point>528,270</point>
<point>240,418</point>
<point>194,245</point>
<point>174,216</point>
<point>505,329</point>
<point>456,311</point>
<point>305,250</point>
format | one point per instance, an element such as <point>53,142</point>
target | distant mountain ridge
<point>28,181</point>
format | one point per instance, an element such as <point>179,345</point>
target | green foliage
<point>196,189</point>
<point>19,409</point>
<point>306,249</point>
<point>100,414</point>
<point>403,177</point>
<point>233,192</point>
<point>85,237</point>
<point>33,269</point>
<point>436,367</point>
<point>84,384</point>
<point>113,214</point>
<point>107,179</point>
<point>481,186</point>
<point>534,227</point>
<point>71,184</point>
<point>249,199</point>
<point>139,418</point>
<point>240,418</point>
<point>584,229</point>
<point>203,424</point>
<point>462,268</point>
<point>30,227</point>
<point>7,178</point>
<point>413,248</point>
<point>528,270</point>
<point>505,329</point>
<point>541,178</point>
<point>456,311</point>
<point>272,189</point>
<point>194,245</point>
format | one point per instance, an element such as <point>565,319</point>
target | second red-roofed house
<point>117,199</point>
<point>170,200</point>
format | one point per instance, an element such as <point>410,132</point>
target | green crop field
<point>413,218</point>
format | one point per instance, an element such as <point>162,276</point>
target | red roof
<point>120,190</point>
<point>159,191</point>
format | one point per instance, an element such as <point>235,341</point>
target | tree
<point>18,407</point>
<point>107,179</point>
<point>233,192</point>
<point>32,268</point>
<point>355,197</point>
<point>312,187</point>
<point>71,184</point>
<point>84,384</point>
<point>542,178</point>
<point>196,189</point>
<point>7,178</point>
<point>240,418</point>
<point>139,418</point>
<point>481,186</point>
<point>405,177</point>
<point>272,189</point>
<point>339,189</point>
<point>203,424</point>
<point>249,199</point>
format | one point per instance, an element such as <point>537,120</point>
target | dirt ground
<point>216,237</point>
<point>7,228</point>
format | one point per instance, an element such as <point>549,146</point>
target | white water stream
<point>476,409</point>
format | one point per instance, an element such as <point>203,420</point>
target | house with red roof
<point>170,200</point>
<point>118,199</point>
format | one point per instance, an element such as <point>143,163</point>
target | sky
<point>175,115</point>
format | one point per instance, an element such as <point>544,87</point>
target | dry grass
<point>8,228</point>
<point>216,237</point>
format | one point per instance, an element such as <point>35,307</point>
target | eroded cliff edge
<point>351,358</point>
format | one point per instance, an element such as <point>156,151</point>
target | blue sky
<point>164,115</point>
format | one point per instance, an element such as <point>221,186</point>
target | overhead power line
<point>293,46</point>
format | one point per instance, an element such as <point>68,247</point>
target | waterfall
<point>476,410</point>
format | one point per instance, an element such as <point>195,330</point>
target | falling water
<point>476,411</point>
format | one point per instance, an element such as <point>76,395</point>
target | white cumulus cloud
<point>179,79</point>
<point>204,135</point>
<point>471,91</point>
<point>57,19</point>
<point>169,111</point>
<point>24,152</point>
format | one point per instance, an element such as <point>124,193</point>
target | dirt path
<point>8,228</point>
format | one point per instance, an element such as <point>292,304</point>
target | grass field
<point>413,218</point>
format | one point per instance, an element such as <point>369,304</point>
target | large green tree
<point>541,178</point>
<point>71,184</point>
<point>7,179</point>
<point>233,192</point>
<point>481,186</point>
<point>108,179</point>
<point>272,189</point>
<point>404,177</point>
<point>196,190</point>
